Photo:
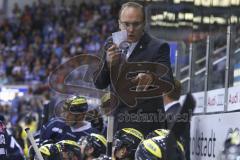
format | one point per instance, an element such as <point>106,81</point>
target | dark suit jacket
<point>148,114</point>
<point>185,136</point>
<point>170,114</point>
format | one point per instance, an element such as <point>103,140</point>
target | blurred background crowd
<point>34,40</point>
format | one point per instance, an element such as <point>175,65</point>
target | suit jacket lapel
<point>142,44</point>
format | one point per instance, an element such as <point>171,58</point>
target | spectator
<point>43,29</point>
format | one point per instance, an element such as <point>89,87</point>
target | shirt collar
<point>169,105</point>
<point>131,48</point>
<point>87,125</point>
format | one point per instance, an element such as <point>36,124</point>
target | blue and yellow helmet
<point>158,132</point>
<point>97,141</point>
<point>76,104</point>
<point>71,148</point>
<point>129,138</point>
<point>156,149</point>
<point>50,152</point>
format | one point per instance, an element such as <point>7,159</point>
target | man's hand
<point>143,80</point>
<point>113,55</point>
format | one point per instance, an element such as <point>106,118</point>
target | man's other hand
<point>143,80</point>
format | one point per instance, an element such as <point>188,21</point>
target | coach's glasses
<point>135,25</point>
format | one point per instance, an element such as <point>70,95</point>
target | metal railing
<point>218,68</point>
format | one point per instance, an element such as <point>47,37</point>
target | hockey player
<point>157,132</point>
<point>72,126</point>
<point>63,150</point>
<point>156,149</point>
<point>125,143</point>
<point>69,150</point>
<point>9,148</point>
<point>92,146</point>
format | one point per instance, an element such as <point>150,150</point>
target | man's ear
<point>119,24</point>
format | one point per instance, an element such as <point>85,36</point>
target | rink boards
<point>208,133</point>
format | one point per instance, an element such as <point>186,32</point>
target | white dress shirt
<point>169,105</point>
<point>131,48</point>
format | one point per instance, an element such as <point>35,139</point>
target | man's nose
<point>130,28</point>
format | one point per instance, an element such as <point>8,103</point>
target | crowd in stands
<point>36,39</point>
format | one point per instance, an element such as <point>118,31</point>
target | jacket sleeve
<point>102,75</point>
<point>163,57</point>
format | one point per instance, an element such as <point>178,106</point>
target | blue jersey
<point>9,148</point>
<point>56,130</point>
